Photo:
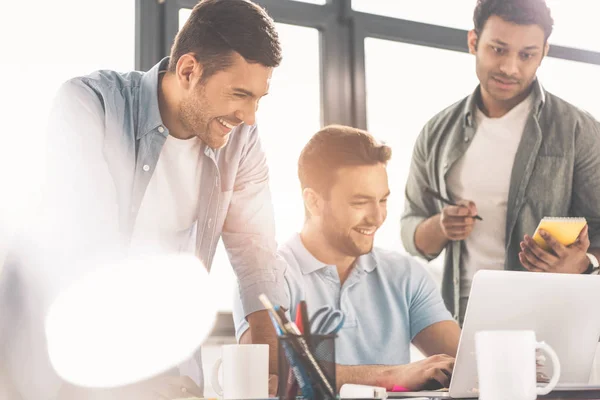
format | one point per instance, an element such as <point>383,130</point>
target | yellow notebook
<point>565,230</point>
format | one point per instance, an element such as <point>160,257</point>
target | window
<point>453,14</point>
<point>578,83</point>
<point>575,24</point>
<point>406,86</point>
<point>287,117</point>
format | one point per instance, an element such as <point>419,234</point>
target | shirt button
<point>446,165</point>
<point>456,281</point>
<point>466,138</point>
<point>146,167</point>
<point>210,222</point>
<point>161,129</point>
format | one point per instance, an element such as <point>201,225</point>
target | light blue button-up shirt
<point>105,138</point>
<point>387,299</point>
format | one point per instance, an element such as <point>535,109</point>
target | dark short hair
<point>521,12</point>
<point>217,28</point>
<point>335,147</point>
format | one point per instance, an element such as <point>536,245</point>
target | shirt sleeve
<point>80,194</point>
<point>586,177</point>
<point>417,207</point>
<point>239,318</point>
<point>426,306</point>
<point>249,232</point>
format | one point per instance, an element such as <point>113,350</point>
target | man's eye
<point>498,50</point>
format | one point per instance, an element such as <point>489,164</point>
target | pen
<point>438,196</point>
<point>300,345</point>
<point>304,317</point>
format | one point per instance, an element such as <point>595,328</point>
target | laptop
<point>560,308</point>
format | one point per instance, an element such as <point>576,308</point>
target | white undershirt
<point>482,175</point>
<point>169,207</point>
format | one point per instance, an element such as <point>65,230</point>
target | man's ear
<point>313,202</point>
<point>188,70</point>
<point>472,38</point>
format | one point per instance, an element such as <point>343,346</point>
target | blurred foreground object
<point>130,321</point>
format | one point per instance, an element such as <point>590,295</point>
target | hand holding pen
<point>457,220</point>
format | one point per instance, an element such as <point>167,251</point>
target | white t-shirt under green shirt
<point>482,175</point>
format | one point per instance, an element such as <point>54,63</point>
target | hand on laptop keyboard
<point>431,373</point>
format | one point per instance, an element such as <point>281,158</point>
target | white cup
<point>245,372</point>
<point>506,366</point>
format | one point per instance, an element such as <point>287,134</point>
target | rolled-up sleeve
<point>249,232</point>
<point>417,207</point>
<point>586,177</point>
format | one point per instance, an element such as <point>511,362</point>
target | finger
<point>534,259</point>
<point>441,377</point>
<point>583,239</point>
<point>273,382</point>
<point>458,221</point>
<point>462,235</point>
<point>529,246</point>
<point>457,211</point>
<point>470,206</point>
<point>554,244</point>
<point>529,266</point>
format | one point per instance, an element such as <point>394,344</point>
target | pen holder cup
<point>298,374</point>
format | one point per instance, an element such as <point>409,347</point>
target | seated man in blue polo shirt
<point>387,298</point>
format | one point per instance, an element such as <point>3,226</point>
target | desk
<point>556,395</point>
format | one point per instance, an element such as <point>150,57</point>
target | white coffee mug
<point>506,365</point>
<point>245,372</point>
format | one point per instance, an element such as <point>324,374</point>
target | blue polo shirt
<point>387,299</point>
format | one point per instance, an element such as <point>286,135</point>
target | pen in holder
<point>311,383</point>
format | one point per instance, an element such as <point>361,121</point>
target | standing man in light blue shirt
<point>170,161</point>
<point>388,299</point>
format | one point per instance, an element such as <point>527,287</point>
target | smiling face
<point>355,208</point>
<point>507,58</point>
<point>210,109</point>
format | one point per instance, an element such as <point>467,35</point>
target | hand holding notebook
<point>558,245</point>
<point>564,230</point>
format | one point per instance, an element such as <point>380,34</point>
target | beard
<point>194,115</point>
<point>341,238</point>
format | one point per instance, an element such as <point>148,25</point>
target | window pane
<point>454,13</point>
<point>184,14</point>
<point>406,86</point>
<point>575,24</point>
<point>578,83</point>
<point>287,118</point>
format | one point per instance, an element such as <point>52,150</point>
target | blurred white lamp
<point>130,321</point>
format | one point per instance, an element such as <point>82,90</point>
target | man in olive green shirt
<point>510,152</point>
